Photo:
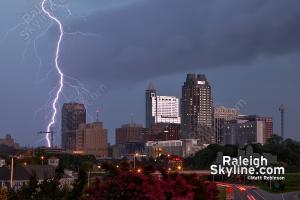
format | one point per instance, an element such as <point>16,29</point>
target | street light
<point>42,158</point>
<point>11,171</point>
<point>134,156</point>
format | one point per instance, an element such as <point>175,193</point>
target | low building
<point>192,146</point>
<point>182,148</point>
<point>128,149</point>
<point>156,148</point>
<point>53,161</point>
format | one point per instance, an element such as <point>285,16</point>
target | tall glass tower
<point>197,109</point>
<point>73,114</point>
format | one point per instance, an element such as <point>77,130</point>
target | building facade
<point>197,109</point>
<point>223,116</point>
<point>73,114</point>
<point>130,133</point>
<point>183,148</point>
<point>248,130</point>
<point>156,148</point>
<point>161,109</point>
<point>162,131</point>
<point>91,139</point>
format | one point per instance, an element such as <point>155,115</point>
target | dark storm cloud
<point>152,38</point>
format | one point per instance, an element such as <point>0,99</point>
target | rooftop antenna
<point>282,110</point>
<point>97,114</point>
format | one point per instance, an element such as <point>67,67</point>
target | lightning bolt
<point>59,71</point>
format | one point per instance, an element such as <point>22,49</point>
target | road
<point>240,192</point>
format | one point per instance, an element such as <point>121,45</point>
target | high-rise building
<point>91,139</point>
<point>161,109</point>
<point>248,129</point>
<point>197,109</point>
<point>73,114</point>
<point>267,124</point>
<point>222,116</point>
<point>130,133</point>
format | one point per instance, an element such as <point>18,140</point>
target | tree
<point>141,187</point>
<point>50,190</point>
<point>78,187</point>
<point>3,194</point>
<point>28,191</point>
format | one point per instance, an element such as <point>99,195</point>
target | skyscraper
<point>161,109</point>
<point>223,116</point>
<point>196,109</point>
<point>73,114</point>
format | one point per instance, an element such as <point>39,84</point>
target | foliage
<point>138,186</point>
<point>75,162</point>
<point>78,186</point>
<point>3,194</point>
<point>47,190</point>
<point>287,152</point>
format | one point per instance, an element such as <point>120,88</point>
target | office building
<point>130,133</point>
<point>182,148</point>
<point>197,109</point>
<point>129,140</point>
<point>162,131</point>
<point>248,130</point>
<point>157,148</point>
<point>266,121</point>
<point>223,116</point>
<point>161,109</point>
<point>73,114</point>
<point>128,149</point>
<point>226,113</point>
<point>91,139</point>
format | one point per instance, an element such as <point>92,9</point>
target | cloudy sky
<point>112,49</point>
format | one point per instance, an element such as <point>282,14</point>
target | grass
<point>292,184</point>
<point>222,193</point>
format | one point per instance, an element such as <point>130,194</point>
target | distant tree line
<point>287,152</point>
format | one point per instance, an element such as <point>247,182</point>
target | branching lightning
<point>59,71</point>
<point>34,21</point>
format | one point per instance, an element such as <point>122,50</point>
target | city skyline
<point>75,109</point>
<point>251,58</point>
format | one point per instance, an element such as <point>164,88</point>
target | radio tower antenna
<point>282,110</point>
